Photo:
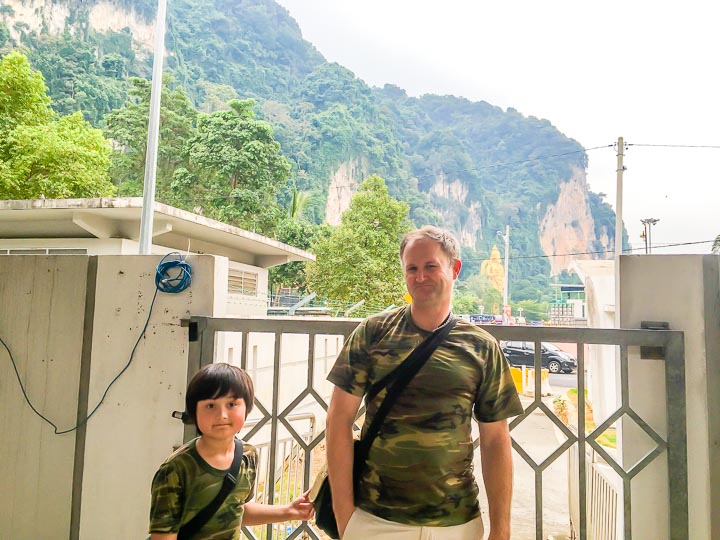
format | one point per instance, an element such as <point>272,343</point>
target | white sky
<point>597,70</point>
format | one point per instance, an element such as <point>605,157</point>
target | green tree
<point>23,94</point>
<point>127,127</point>
<point>238,162</point>
<point>465,303</point>
<point>359,260</point>
<point>533,311</point>
<point>43,155</point>
<point>300,234</point>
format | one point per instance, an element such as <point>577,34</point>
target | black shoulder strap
<point>193,526</point>
<point>399,379</point>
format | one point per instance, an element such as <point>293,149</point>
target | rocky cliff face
<point>450,196</point>
<point>343,185</point>
<point>34,16</point>
<point>46,16</point>
<point>568,226</point>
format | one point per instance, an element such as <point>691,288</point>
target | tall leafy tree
<point>23,94</point>
<point>41,154</point>
<point>359,260</point>
<point>127,127</point>
<point>300,234</point>
<point>238,162</point>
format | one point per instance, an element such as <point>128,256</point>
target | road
<point>539,437</point>
<point>561,382</point>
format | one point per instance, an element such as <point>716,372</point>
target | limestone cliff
<point>343,185</point>
<point>48,17</point>
<point>568,226</point>
<point>450,202</point>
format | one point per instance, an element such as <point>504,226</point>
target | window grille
<point>244,283</point>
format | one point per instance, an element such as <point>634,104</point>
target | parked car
<point>522,353</point>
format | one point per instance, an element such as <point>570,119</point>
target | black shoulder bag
<point>396,381</point>
<point>193,526</point>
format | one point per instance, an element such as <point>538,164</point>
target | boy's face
<point>220,418</point>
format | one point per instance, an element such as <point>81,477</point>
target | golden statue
<point>493,269</point>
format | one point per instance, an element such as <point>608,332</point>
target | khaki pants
<point>365,526</point>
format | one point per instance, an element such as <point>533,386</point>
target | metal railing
<point>288,475</point>
<point>202,351</point>
<point>603,497</point>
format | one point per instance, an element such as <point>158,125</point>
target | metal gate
<point>276,417</point>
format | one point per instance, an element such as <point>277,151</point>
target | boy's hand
<point>301,508</point>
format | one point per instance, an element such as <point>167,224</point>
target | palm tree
<point>298,203</point>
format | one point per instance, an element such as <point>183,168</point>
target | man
<point>418,481</point>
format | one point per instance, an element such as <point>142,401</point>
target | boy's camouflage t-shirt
<point>186,483</point>
<point>420,471</point>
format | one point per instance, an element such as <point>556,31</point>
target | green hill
<point>468,165</point>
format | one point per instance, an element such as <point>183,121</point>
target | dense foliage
<point>359,260</point>
<point>42,154</point>
<point>509,167</point>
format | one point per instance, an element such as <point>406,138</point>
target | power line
<point>626,250</point>
<point>676,145</point>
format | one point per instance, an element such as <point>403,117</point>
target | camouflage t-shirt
<point>186,483</point>
<point>420,471</point>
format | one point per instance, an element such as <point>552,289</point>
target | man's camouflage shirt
<point>420,467</point>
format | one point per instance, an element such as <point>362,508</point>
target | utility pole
<point>647,224</point>
<point>148,209</point>
<point>618,225</point>
<point>643,235</point>
<point>506,237</point>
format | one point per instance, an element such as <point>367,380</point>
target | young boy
<point>218,399</point>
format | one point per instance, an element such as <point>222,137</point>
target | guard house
<point>111,226</point>
<point>568,308</point>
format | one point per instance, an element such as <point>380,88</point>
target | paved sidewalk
<point>539,437</point>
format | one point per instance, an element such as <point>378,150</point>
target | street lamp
<point>647,231</point>
<point>148,208</point>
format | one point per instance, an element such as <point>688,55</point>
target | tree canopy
<point>470,166</point>
<point>359,260</point>
<point>43,154</point>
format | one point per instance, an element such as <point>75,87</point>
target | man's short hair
<point>217,380</point>
<point>446,239</point>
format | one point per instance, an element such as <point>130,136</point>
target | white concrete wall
<point>133,431</point>
<point>682,290</point>
<point>41,321</point>
<point>246,306</point>
<point>113,459</point>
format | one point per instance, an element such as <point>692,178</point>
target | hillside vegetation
<point>468,165</point>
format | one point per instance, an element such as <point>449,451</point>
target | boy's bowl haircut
<point>217,380</point>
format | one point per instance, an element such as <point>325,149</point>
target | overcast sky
<point>646,71</point>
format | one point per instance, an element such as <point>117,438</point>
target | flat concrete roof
<point>120,218</point>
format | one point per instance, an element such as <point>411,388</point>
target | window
<point>240,282</point>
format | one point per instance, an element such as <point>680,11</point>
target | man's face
<point>429,274</point>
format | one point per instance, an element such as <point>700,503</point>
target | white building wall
<point>133,431</point>
<point>94,482</point>
<point>682,290</point>
<point>41,322</point>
